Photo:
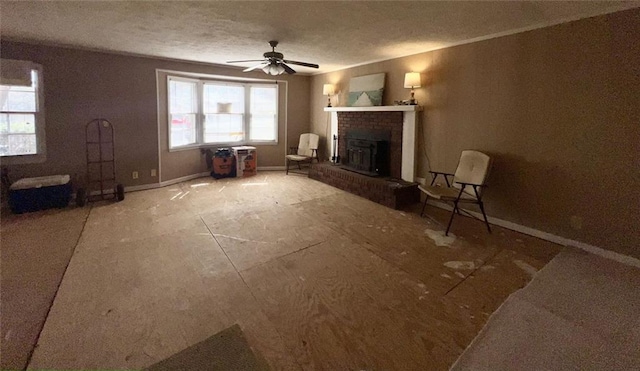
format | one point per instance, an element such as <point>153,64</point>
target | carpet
<point>578,313</point>
<point>226,350</point>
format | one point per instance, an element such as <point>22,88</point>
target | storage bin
<point>32,194</point>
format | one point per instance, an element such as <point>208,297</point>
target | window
<point>204,112</point>
<point>21,116</point>
<point>183,110</point>
<point>264,113</point>
<point>223,113</point>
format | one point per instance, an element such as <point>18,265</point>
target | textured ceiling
<point>332,34</point>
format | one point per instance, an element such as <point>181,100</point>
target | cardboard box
<point>246,160</point>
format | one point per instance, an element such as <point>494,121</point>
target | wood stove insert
<point>367,151</point>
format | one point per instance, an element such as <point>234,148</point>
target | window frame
<point>244,112</point>
<point>201,115</point>
<point>40,123</point>
<point>248,113</point>
<point>198,110</point>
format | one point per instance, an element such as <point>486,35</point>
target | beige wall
<point>83,85</point>
<point>558,109</point>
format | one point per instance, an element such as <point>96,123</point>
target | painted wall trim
<point>143,187</point>
<point>620,258</point>
<point>184,178</point>
<point>271,168</point>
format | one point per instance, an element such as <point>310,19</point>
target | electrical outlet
<point>153,172</point>
<point>134,175</point>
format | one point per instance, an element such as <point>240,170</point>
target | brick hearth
<point>394,193</point>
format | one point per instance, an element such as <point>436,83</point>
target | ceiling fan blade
<point>288,69</point>
<point>255,67</point>
<point>302,64</point>
<point>248,60</point>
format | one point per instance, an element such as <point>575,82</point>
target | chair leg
<point>457,210</point>
<point>424,205</point>
<point>453,213</point>
<point>287,164</point>
<point>485,216</point>
<point>299,167</point>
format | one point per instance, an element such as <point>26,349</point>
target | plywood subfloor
<point>318,279</point>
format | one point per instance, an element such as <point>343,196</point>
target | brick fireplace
<point>377,127</point>
<point>402,120</point>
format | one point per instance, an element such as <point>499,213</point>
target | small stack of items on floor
<point>247,160</point>
<point>235,162</point>
<point>224,164</point>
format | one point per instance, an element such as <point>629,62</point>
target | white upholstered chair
<point>469,179</point>
<point>306,151</point>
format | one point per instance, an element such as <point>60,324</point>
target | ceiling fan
<point>274,62</point>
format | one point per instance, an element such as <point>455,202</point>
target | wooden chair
<point>306,151</point>
<point>469,179</point>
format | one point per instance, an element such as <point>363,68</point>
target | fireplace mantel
<point>409,132</point>
<point>404,108</point>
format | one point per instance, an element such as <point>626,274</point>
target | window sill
<point>23,159</point>
<point>221,145</point>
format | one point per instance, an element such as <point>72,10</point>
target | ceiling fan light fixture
<point>273,69</point>
<point>274,62</point>
<point>269,69</point>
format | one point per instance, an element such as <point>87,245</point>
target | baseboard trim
<point>143,187</point>
<point>271,168</point>
<point>620,258</point>
<point>184,179</point>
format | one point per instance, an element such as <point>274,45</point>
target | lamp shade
<point>328,89</point>
<point>412,80</point>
